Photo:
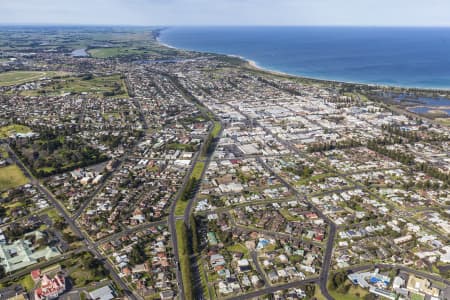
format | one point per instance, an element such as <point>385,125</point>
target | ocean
<point>407,57</point>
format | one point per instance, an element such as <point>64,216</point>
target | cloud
<point>228,12</point>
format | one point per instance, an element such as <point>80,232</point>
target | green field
<point>11,177</point>
<point>86,269</point>
<point>198,170</point>
<point>197,174</point>
<point>417,297</point>
<point>19,77</point>
<point>184,258</point>
<point>318,294</point>
<point>181,207</point>
<point>216,130</point>
<point>288,216</point>
<point>28,283</point>
<point>7,131</point>
<point>238,248</point>
<point>3,153</point>
<point>183,147</point>
<point>112,86</point>
<point>354,292</point>
<point>443,121</point>
<point>46,169</point>
<point>83,277</point>
<point>114,52</point>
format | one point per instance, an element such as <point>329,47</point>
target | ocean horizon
<point>412,57</point>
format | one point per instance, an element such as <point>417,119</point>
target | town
<point>132,170</point>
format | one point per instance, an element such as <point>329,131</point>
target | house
<point>103,293</point>
<point>36,275</point>
<point>224,289</point>
<point>50,288</point>
<point>244,265</point>
<point>421,286</point>
<point>272,275</point>
<point>217,260</point>
<point>398,282</point>
<point>246,281</point>
<point>212,239</point>
<point>167,295</point>
<point>403,239</point>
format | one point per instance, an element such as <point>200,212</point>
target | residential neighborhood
<point>173,174</point>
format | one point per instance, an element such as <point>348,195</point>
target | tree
<point>60,224</point>
<point>88,76</point>
<point>2,271</point>
<point>310,290</point>
<point>370,297</point>
<point>338,279</point>
<point>95,265</point>
<point>137,255</point>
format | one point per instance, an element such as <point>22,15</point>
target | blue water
<point>435,101</point>
<point>79,53</point>
<point>424,110</point>
<point>411,98</point>
<point>409,57</point>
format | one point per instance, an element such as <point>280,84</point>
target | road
<point>278,235</point>
<point>273,289</point>
<point>254,256</point>
<point>326,264</point>
<point>173,228</point>
<point>172,220</point>
<point>186,216</point>
<point>85,204</point>
<point>192,201</point>
<point>198,289</point>
<point>327,257</point>
<point>119,163</point>
<point>129,231</point>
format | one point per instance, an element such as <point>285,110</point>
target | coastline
<point>254,65</point>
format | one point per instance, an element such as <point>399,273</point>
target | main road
<point>273,289</point>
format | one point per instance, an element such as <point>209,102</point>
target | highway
<point>173,229</point>
<point>187,214</point>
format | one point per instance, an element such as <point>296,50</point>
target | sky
<point>228,12</point>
